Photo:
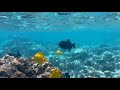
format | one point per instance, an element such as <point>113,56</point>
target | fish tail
<point>73,45</point>
<point>45,59</point>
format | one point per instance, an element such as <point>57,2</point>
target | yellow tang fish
<point>39,58</point>
<point>58,52</point>
<point>55,74</point>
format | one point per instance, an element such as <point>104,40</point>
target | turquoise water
<point>32,32</point>
<point>84,28</point>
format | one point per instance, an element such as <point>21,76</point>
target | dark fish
<point>67,75</point>
<point>63,13</point>
<point>15,54</point>
<point>66,45</point>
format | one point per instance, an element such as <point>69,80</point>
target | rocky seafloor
<point>101,61</point>
<point>11,67</point>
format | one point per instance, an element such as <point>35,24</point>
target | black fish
<point>15,54</point>
<point>67,75</point>
<point>66,45</point>
<point>63,13</point>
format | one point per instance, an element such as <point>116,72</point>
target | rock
<point>21,60</point>
<point>6,57</point>
<point>3,77</point>
<point>47,74</point>
<point>117,65</point>
<point>44,76</point>
<point>95,57</point>
<point>80,54</point>
<point>33,76</point>
<point>11,67</point>
<point>88,76</point>
<point>6,71</point>
<point>99,72</point>
<point>82,75</point>
<point>101,62</point>
<point>45,65</point>
<point>116,57</point>
<point>41,70</point>
<point>99,51</point>
<point>39,76</point>
<point>107,73</point>
<point>29,72</point>
<point>3,74</point>
<point>1,63</point>
<point>35,65</point>
<point>48,69</point>
<point>21,68</point>
<point>18,75</point>
<point>108,68</point>
<point>107,55</point>
<point>88,63</point>
<point>15,62</point>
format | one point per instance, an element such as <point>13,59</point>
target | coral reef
<point>80,53</point>
<point>11,67</point>
<point>98,62</point>
<point>88,62</point>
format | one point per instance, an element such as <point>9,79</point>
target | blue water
<point>21,31</point>
<point>83,28</point>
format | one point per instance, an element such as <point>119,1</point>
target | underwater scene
<point>59,44</point>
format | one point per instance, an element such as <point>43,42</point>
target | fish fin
<point>73,45</point>
<point>41,53</point>
<point>68,40</point>
<point>45,59</point>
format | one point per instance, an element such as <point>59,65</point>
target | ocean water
<point>32,32</point>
